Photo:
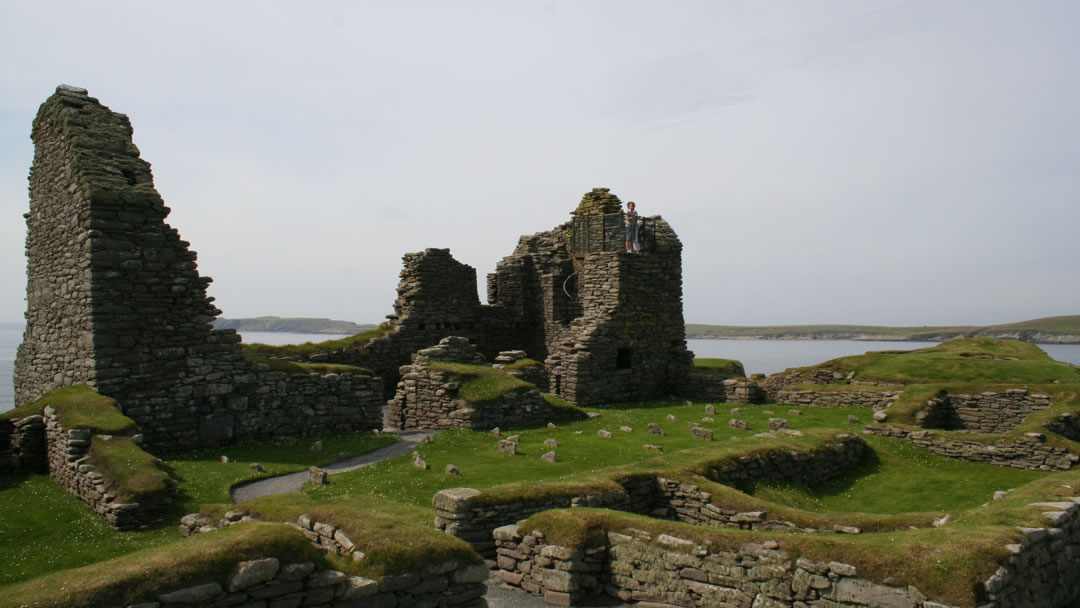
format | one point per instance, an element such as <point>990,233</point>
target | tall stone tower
<point>115,301</point>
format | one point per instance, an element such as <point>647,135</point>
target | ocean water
<point>757,356</point>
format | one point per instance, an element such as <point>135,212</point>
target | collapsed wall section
<point>115,301</point>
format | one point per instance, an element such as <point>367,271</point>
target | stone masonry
<point>22,445</point>
<point>428,397</point>
<point>115,301</point>
<point>1027,452</point>
<point>986,412</point>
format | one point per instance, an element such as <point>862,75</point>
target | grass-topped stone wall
<point>449,386</point>
<point>93,452</point>
<point>473,515</point>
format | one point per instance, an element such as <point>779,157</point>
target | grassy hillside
<point>1066,328</point>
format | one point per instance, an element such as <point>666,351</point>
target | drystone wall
<point>22,445</point>
<point>709,387</point>
<point>1027,452</point>
<point>1043,569</point>
<point>429,398</point>
<point>268,582</point>
<point>115,301</point>
<point>878,400</point>
<point>71,467</point>
<point>464,513</point>
<point>987,412</point>
<point>671,571</point>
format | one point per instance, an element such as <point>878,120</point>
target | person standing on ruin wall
<point>631,221</point>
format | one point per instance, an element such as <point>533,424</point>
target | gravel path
<point>293,482</point>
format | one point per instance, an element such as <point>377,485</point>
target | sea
<point>757,356</point>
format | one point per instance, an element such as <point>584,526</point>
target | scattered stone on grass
<point>702,433</point>
<point>775,424</point>
<point>626,429</point>
<point>846,529</point>
<point>593,414</point>
<point>768,412</point>
<point>941,521</point>
<point>317,476</point>
<point>551,425</point>
<point>317,447</point>
<point>258,468</point>
<point>654,429</point>
<point>710,410</point>
<point>708,419</point>
<point>514,438</point>
<point>419,462</point>
<point>671,416</point>
<point>603,434</point>
<point>507,447</point>
<point>453,471</point>
<point>853,420</point>
<point>735,423</point>
<point>653,448</point>
<point>549,457</point>
<point>496,432</point>
<point>551,443</point>
<point>688,403</point>
<point>224,459</point>
<point>794,412</point>
<point>736,411</point>
<point>881,416</point>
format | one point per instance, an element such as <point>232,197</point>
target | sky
<point>865,162</point>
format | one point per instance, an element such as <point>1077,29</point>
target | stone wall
<point>878,400</point>
<point>710,387</point>
<point>429,398</point>
<point>115,301</point>
<point>1043,569</point>
<point>774,383</point>
<point>671,571</point>
<point>1027,452</point>
<point>71,468</point>
<point>22,445</point>
<point>987,412</point>
<point>267,582</point>
<point>462,512</point>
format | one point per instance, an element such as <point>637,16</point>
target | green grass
<point>883,483</point>
<point>303,351</point>
<point>725,368</point>
<point>296,367</point>
<point>957,360</point>
<point>1065,325</point>
<point>129,471</point>
<point>126,579</point>
<point>482,383</point>
<point>79,406</point>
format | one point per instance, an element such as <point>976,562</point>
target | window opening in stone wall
<point>623,358</point>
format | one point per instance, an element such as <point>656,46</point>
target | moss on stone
<point>78,407</point>
<point>297,367</point>
<point>481,382</point>
<point>129,471</point>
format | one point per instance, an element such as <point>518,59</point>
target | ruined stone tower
<point>115,301</point>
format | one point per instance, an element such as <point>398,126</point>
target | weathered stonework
<point>710,387</point>
<point>1027,452</point>
<point>987,412</point>
<point>22,445</point>
<point>878,400</point>
<point>115,301</point>
<point>462,513</point>
<point>671,571</point>
<point>1067,425</point>
<point>71,468</point>
<point>428,398</point>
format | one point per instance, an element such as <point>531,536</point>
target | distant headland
<point>293,325</point>
<point>1047,330</point>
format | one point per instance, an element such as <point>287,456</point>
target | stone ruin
<point>607,325</point>
<point>115,301</point>
<point>429,396</point>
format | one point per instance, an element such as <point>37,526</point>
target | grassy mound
<point>302,368</point>
<point>305,350</point>
<point>78,407</point>
<point>123,580</point>
<point>129,471</point>
<point>481,383</point>
<point>960,360</point>
<point>725,368</point>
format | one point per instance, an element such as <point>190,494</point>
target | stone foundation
<point>987,412</point>
<point>878,400</point>
<point>71,469</point>
<point>710,387</point>
<point>1028,452</point>
<point>462,512</point>
<point>1067,425</point>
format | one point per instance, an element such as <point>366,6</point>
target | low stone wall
<point>267,582</point>
<point>1028,452</point>
<point>878,400</point>
<point>69,466</point>
<point>987,412</point>
<point>1043,569</point>
<point>1067,425</point>
<point>462,513</point>
<point>670,571</point>
<point>448,584</point>
<point>781,380</point>
<point>22,445</point>
<point>710,387</point>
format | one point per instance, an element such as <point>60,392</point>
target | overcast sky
<point>892,163</point>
